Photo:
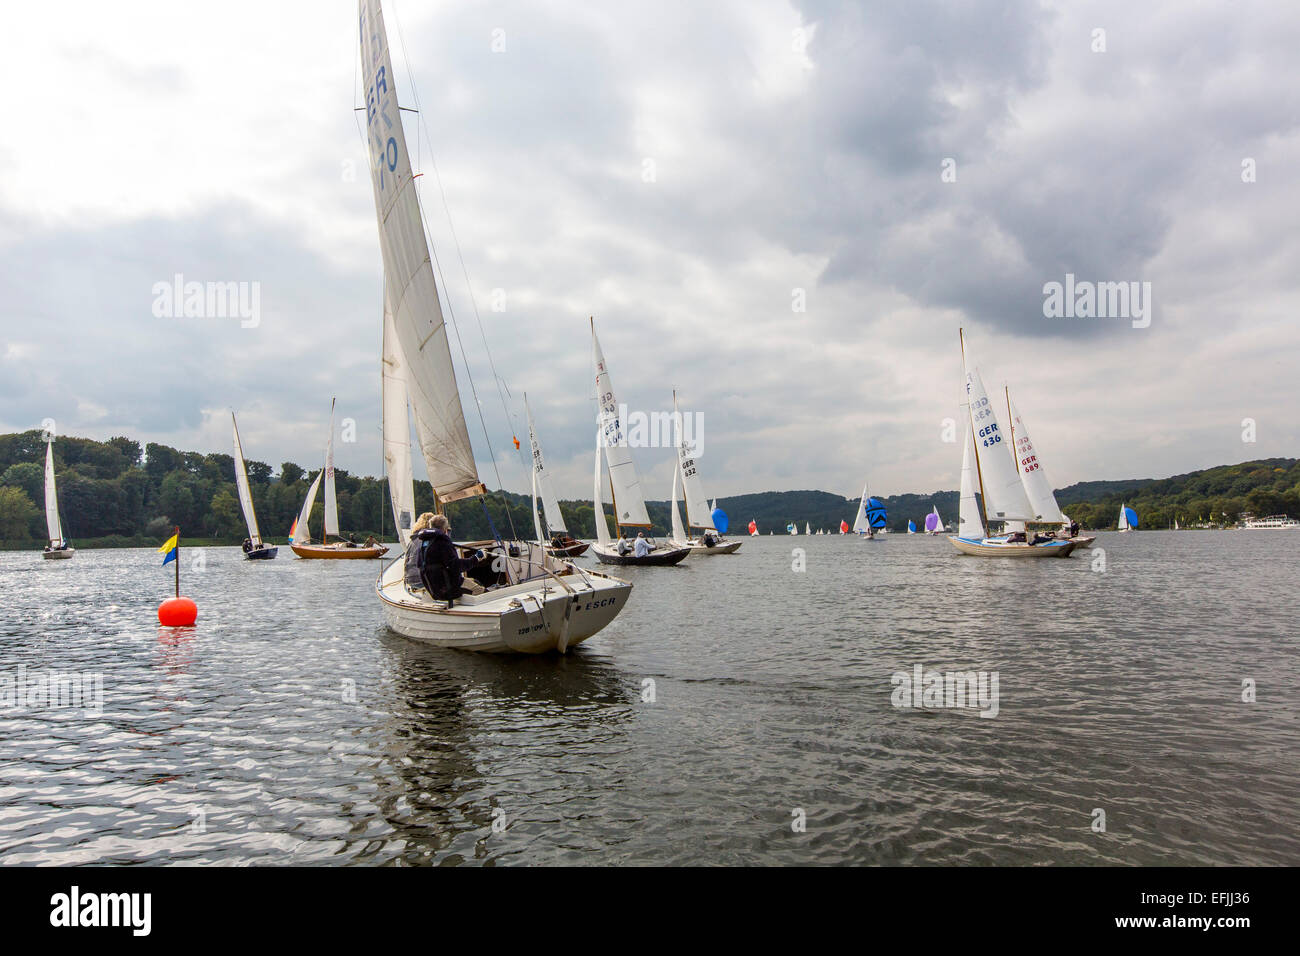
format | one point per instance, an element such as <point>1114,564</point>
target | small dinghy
<point>254,548</point>
<point>56,546</point>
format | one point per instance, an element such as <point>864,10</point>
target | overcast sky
<point>794,146</point>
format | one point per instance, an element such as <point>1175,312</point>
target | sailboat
<point>933,523</point>
<point>1038,490</point>
<point>558,542</point>
<point>56,546</point>
<point>1000,485</point>
<point>254,548</point>
<point>753,528</point>
<point>1176,528</point>
<point>911,526</point>
<point>531,603</point>
<point>301,542</point>
<point>624,485</point>
<point>871,517</point>
<point>791,528</point>
<point>807,528</point>
<point>844,527</point>
<point>1128,519</point>
<point>699,513</point>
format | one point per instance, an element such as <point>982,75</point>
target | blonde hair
<point>422,522</point>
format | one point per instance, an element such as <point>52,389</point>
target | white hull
<point>723,547</point>
<point>62,553</point>
<point>998,548</point>
<point>527,618</point>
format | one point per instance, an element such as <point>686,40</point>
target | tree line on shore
<point>117,493</point>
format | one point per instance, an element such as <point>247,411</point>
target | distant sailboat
<point>56,545</point>
<point>753,528</point>
<point>1176,528</point>
<point>807,528</point>
<point>871,517</point>
<point>933,523</point>
<point>990,461</point>
<point>911,526</point>
<point>302,544</point>
<point>624,484</point>
<point>1128,519</point>
<point>844,527</point>
<point>699,513</point>
<point>791,528</point>
<point>254,549</point>
<point>557,540</point>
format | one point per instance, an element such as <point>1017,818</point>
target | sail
<point>860,524</point>
<point>969,522</point>
<point>302,528</point>
<point>1004,495</point>
<point>550,505</point>
<point>537,522</point>
<point>53,527</point>
<point>629,504</point>
<point>679,534</point>
<point>331,502</point>
<point>875,513</point>
<point>1130,518</point>
<point>844,527</point>
<point>911,526</point>
<point>933,523</point>
<point>409,286</point>
<point>598,506</point>
<point>698,512</point>
<point>1123,517</point>
<point>397,433</point>
<point>245,493</point>
<point>807,528</point>
<point>1037,488</point>
<point>753,527</point>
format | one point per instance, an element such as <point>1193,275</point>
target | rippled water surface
<point>290,727</point>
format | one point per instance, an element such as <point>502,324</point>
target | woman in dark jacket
<point>437,564</point>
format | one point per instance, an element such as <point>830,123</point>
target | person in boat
<point>642,548</point>
<point>371,542</point>
<point>248,545</point>
<point>1074,528</point>
<point>623,547</point>
<point>442,569</point>
<point>710,538</point>
<point>1016,537</point>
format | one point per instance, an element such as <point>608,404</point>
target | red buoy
<point>177,612</point>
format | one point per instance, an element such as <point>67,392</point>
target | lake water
<point>289,726</point>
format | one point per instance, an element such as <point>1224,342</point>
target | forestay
<point>397,433</point>
<point>698,512</point>
<point>331,502</point>
<point>302,530</point>
<point>969,522</point>
<point>542,479</point>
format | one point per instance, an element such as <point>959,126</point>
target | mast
<point>983,511</point>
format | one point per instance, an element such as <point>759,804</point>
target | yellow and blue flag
<point>170,547</point>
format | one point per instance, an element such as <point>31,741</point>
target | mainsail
<point>245,493</point>
<point>629,504</point>
<point>860,523</point>
<point>1037,488</point>
<point>698,512</point>
<point>397,433</point>
<point>53,527</point>
<point>542,479</point>
<point>679,534</point>
<point>598,506</point>
<point>331,502</point>
<point>409,287</point>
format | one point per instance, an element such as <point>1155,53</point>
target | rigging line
<point>422,126</point>
<point>415,95</point>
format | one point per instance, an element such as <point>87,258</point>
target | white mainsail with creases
<point>969,522</point>
<point>397,433</point>
<point>598,506</point>
<point>629,503</point>
<point>245,492</point>
<point>331,502</point>
<point>1004,494</point>
<point>542,482</point>
<point>698,512</point>
<point>409,286</point>
<point>53,527</point>
<point>1037,488</point>
<point>301,530</point>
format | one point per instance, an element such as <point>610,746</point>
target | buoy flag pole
<point>177,531</point>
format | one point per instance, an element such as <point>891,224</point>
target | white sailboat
<point>624,485</point>
<point>870,522</point>
<point>988,456</point>
<point>934,523</point>
<point>807,528</point>
<point>699,513</point>
<point>254,549</point>
<point>302,544</point>
<point>1125,524</point>
<point>531,603</point>
<point>1042,500</point>
<point>557,541</point>
<point>56,546</point>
